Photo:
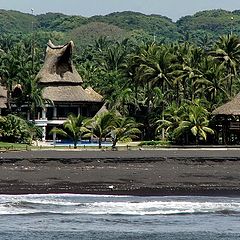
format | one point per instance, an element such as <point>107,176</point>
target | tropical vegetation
<point>162,79</point>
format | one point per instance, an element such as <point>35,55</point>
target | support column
<point>28,115</point>
<point>44,134</point>
<point>54,139</point>
<point>79,111</point>
<point>44,112</point>
<point>54,112</point>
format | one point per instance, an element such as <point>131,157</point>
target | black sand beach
<point>147,172</point>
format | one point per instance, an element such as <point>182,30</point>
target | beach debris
<point>111,187</point>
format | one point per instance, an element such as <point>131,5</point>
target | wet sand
<point>153,172</point>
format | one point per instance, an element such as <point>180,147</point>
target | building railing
<point>234,126</point>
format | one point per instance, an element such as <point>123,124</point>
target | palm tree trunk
<point>177,93</point>
<point>114,143</point>
<point>230,85</point>
<point>197,140</point>
<point>100,143</point>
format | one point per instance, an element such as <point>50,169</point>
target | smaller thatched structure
<point>231,108</point>
<point>227,121</point>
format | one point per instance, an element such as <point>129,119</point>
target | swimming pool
<point>82,143</point>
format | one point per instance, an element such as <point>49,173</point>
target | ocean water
<point>67,217</point>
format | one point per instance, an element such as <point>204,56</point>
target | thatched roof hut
<point>3,97</point>
<point>60,80</point>
<point>230,108</point>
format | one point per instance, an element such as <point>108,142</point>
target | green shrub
<point>154,143</point>
<point>14,129</point>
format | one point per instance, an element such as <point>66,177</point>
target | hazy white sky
<point>171,8</point>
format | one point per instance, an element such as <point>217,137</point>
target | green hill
<point>59,22</point>
<point>154,25</point>
<point>87,34</point>
<point>14,21</point>
<point>121,24</point>
<point>214,22</point>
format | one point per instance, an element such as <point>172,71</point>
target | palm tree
<point>156,65</point>
<point>205,41</point>
<point>33,94</point>
<point>113,58</point>
<point>14,68</point>
<point>122,100</point>
<point>196,122</point>
<point>213,83</point>
<point>124,128</point>
<point>187,73</point>
<point>100,126</point>
<point>227,53</point>
<point>173,115</point>
<point>154,75</point>
<point>74,128</point>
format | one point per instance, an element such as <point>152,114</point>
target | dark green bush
<point>154,143</point>
<point>16,130</point>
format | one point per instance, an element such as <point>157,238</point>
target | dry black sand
<point>152,172</point>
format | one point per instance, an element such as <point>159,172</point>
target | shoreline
<point>171,172</point>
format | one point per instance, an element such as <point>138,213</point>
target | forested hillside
<point>125,24</point>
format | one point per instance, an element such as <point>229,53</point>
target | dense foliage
<point>169,87</point>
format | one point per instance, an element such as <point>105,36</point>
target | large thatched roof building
<point>62,85</point>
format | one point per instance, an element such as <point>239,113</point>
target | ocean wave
<point>68,204</point>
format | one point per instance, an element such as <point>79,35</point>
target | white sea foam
<point>115,205</point>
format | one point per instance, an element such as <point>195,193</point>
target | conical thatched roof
<point>3,97</point>
<point>58,67</point>
<point>230,108</point>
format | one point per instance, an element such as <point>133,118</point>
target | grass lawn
<point>13,146</point>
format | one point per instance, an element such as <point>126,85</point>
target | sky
<point>173,9</point>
